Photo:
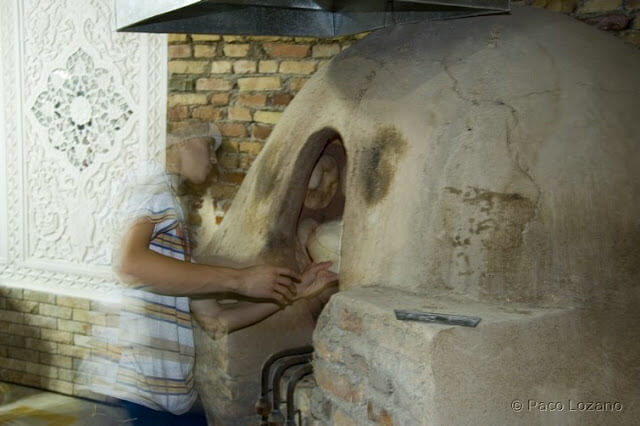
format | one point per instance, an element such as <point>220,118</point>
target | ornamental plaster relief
<point>81,105</point>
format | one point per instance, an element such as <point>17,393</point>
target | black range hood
<point>313,18</point>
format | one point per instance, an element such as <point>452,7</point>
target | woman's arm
<point>164,275</point>
<point>318,284</point>
<point>221,319</point>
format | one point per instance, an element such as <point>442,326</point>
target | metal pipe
<point>262,406</point>
<point>275,417</point>
<point>298,374</point>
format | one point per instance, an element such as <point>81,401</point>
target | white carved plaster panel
<point>82,104</point>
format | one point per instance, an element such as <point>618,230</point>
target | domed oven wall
<point>493,170</point>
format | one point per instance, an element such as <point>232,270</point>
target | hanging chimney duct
<point>312,18</point>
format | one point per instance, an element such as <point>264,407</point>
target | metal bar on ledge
<point>433,317</point>
<point>314,18</point>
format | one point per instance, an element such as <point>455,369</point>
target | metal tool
<point>434,317</point>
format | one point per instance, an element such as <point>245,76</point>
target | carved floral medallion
<point>81,110</point>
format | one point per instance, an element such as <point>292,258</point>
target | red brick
<point>239,113</point>
<point>187,99</point>
<point>257,84</point>
<point>179,51</point>
<point>172,38</point>
<point>252,148</point>
<point>236,130</point>
<point>220,99</point>
<point>268,67</point>
<point>297,67</point>
<point>205,37</point>
<point>251,100</point>
<point>207,113</point>
<point>187,67</point>
<point>204,51</point>
<point>236,50</point>
<point>296,83</point>
<point>178,113</point>
<point>259,131</point>
<point>243,67</point>
<point>267,117</point>
<point>287,50</point>
<point>280,99</point>
<point>213,84</point>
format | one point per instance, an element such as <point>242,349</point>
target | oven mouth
<point>318,227</point>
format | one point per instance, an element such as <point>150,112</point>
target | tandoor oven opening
<point>319,225</point>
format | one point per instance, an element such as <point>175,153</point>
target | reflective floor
<point>21,406</point>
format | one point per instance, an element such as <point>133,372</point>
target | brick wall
<point>365,362</point>
<point>243,84</point>
<point>45,337</point>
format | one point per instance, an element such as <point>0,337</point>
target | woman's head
<point>191,151</point>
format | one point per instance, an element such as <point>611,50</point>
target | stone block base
<point>520,365</point>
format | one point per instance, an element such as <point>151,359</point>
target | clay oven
<point>491,168</point>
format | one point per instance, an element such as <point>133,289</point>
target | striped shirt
<point>153,358</point>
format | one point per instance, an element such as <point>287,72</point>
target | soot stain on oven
<point>378,164</point>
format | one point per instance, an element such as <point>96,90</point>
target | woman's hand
<point>268,282</point>
<point>315,279</point>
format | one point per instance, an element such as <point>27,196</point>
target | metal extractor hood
<point>313,18</point>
